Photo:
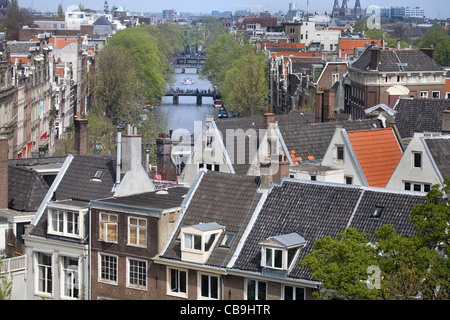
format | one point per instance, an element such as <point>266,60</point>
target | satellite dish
<point>72,8</point>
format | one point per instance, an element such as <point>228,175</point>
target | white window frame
<point>199,286</point>
<point>337,159</point>
<point>132,285</point>
<point>104,237</point>
<point>176,291</point>
<point>413,160</point>
<point>424,94</point>
<point>141,232</point>
<point>99,267</point>
<point>438,94</point>
<point>270,257</point>
<point>294,294</point>
<point>190,244</point>
<point>48,292</point>
<point>62,222</point>
<point>257,284</point>
<point>72,274</point>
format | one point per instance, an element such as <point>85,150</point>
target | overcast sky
<point>433,8</point>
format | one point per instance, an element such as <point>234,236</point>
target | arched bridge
<point>176,94</point>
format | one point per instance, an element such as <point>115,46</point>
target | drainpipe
<point>119,153</point>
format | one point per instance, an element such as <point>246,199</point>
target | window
<point>417,186</point>
<point>108,227</point>
<point>108,268</point>
<point>348,180</point>
<point>98,174</point>
<point>436,78</point>
<point>424,94</point>
<point>407,185</point>
<point>399,79</point>
<point>209,142</point>
<point>314,178</point>
<point>227,239</point>
<point>137,274</point>
<point>44,266</point>
<point>377,212</point>
<point>334,78</point>
<point>436,94</point>
<point>70,274</point>
<point>293,293</point>
<point>64,222</point>
<point>192,241</point>
<point>417,160</point>
<point>340,153</point>
<point>178,281</point>
<point>256,290</point>
<point>209,286</point>
<point>137,231</point>
<point>413,78</point>
<point>274,258</point>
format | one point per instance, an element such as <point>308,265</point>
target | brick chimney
<point>329,105</point>
<point>269,117</point>
<point>428,51</point>
<point>81,135</point>
<point>375,57</point>
<point>4,173</point>
<point>163,156</point>
<point>446,121</point>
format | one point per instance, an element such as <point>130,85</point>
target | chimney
<point>329,105</point>
<point>131,149</point>
<point>266,174</point>
<point>446,121</point>
<point>4,173</point>
<point>81,135</point>
<point>283,169</point>
<point>119,154</point>
<point>428,51</point>
<point>163,155</point>
<point>319,106</point>
<point>374,57</point>
<point>269,117</point>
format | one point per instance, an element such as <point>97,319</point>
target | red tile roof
<point>346,45</point>
<point>378,152</point>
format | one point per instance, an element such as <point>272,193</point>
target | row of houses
<point>236,226</point>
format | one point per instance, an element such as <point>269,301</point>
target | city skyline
<point>436,8</point>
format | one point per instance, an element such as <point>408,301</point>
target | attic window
<point>227,239</point>
<point>98,174</point>
<point>279,252</point>
<point>377,212</point>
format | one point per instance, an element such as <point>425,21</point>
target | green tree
<point>341,265</point>
<point>5,284</point>
<point>245,87</point>
<point>60,10</point>
<point>439,39</point>
<point>151,66</point>
<point>118,89</point>
<point>15,18</point>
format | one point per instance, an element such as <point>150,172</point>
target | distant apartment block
<point>169,15</point>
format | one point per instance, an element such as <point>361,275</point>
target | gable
<point>378,153</point>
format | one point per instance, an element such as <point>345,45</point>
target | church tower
<point>344,8</point>
<point>335,11</point>
<point>357,9</point>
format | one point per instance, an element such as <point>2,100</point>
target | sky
<point>433,9</point>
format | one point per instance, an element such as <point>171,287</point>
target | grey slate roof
<point>77,183</point>
<point>160,200</point>
<point>26,189</point>
<point>313,139</point>
<point>419,115</point>
<point>256,123</point>
<point>439,147</point>
<point>315,210</point>
<point>411,60</point>
<point>226,199</point>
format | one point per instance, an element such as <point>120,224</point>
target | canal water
<point>186,113</point>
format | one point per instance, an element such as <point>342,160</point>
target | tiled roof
<point>226,199</point>
<point>77,183</point>
<point>378,153</point>
<point>26,189</point>
<point>256,123</point>
<point>312,140</point>
<point>315,210</point>
<point>439,148</point>
<point>346,45</point>
<point>410,60</point>
<point>419,115</point>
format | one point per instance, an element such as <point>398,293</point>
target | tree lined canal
<point>184,115</point>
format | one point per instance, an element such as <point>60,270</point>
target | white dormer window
<point>279,252</point>
<point>198,240</point>
<point>66,222</point>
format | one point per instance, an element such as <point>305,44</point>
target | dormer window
<point>198,240</point>
<point>66,221</point>
<point>278,252</point>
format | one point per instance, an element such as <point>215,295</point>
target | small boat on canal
<point>188,81</point>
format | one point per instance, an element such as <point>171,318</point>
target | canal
<point>184,115</point>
